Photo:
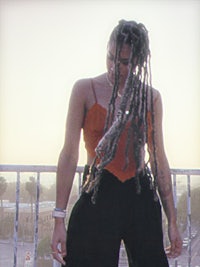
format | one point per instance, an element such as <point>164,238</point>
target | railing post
<point>16,219</point>
<point>175,205</point>
<point>56,264</point>
<point>36,218</point>
<point>79,183</point>
<point>189,219</point>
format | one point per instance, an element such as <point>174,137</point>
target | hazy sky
<point>45,46</point>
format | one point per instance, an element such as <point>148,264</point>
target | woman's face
<point>123,60</point>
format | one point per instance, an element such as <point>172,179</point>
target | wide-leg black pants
<point>95,231</point>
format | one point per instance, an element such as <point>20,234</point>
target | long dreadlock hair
<point>133,106</point>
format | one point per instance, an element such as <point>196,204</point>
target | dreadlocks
<point>133,108</point>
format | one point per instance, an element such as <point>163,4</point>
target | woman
<point>121,117</point>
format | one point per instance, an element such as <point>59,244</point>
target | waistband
<point>145,176</point>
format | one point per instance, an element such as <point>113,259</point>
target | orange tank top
<point>93,130</point>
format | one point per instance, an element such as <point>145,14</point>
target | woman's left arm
<point>164,179</point>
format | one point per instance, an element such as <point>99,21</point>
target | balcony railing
<point>182,182</point>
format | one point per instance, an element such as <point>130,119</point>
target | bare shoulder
<point>156,95</point>
<point>157,100</point>
<point>80,94</point>
<point>81,87</point>
<point>82,90</point>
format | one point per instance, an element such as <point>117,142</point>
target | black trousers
<point>95,231</point>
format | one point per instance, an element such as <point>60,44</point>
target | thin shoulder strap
<point>94,93</point>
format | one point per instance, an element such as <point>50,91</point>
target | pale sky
<point>45,46</point>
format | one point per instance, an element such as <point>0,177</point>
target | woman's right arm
<point>67,165</point>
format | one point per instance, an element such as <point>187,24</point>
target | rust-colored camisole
<point>93,130</point>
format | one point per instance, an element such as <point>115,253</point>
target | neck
<point>120,89</point>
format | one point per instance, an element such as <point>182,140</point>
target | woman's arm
<point>164,179</point>
<point>67,165</point>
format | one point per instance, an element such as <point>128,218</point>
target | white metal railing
<point>39,169</point>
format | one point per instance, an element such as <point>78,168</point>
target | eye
<point>125,62</point>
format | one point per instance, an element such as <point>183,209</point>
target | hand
<point>58,244</point>
<point>174,250</point>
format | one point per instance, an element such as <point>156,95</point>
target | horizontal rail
<point>52,168</point>
<point>32,168</point>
